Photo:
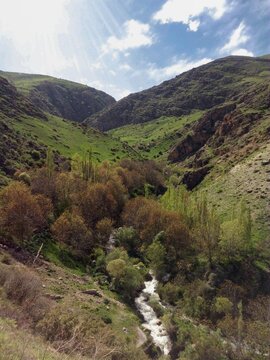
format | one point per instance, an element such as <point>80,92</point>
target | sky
<point>125,46</point>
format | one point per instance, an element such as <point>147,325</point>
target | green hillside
<point>155,138</point>
<point>59,97</point>
<point>26,131</point>
<point>26,82</point>
<point>70,138</point>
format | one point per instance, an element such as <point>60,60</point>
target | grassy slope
<point>69,138</point>
<point>248,180</point>
<point>17,343</point>
<point>26,82</point>
<point>154,138</point>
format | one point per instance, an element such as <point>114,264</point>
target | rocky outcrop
<point>193,178</point>
<point>201,133</point>
<point>13,104</point>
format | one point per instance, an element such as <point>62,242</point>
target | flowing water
<point>152,322</point>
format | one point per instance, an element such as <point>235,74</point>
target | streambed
<point>151,321</point>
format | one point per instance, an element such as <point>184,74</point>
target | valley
<point>138,228</point>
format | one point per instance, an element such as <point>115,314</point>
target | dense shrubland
<point>212,270</point>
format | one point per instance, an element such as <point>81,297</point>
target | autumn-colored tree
<point>103,230</point>
<point>149,218</point>
<point>101,201</point>
<point>177,233</point>
<point>136,174</point>
<point>67,185</point>
<point>41,183</point>
<point>71,230</point>
<point>146,216</point>
<point>21,213</point>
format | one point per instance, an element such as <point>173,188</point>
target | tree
<point>84,166</point>
<point>104,229</point>
<point>131,282</point>
<point>116,268</point>
<point>49,163</point>
<point>128,238</point>
<point>207,228</point>
<point>156,254</point>
<point>21,213</point>
<point>71,230</point>
<point>236,233</point>
<point>100,201</point>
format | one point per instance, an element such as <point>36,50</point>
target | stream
<point>151,321</point>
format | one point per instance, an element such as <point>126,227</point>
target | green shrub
<point>170,293</point>
<point>223,305</point>
<point>24,177</point>
<point>157,307</point>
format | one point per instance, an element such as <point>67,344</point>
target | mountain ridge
<point>68,99</point>
<point>188,91</point>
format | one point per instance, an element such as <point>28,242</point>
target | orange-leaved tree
<point>21,213</point>
<point>71,230</point>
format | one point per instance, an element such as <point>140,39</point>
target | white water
<point>152,322</point>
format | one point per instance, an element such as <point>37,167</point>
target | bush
<point>223,305</point>
<point>157,307</point>
<point>25,289</point>
<point>35,155</point>
<point>131,282</point>
<point>24,177</point>
<point>116,268</point>
<point>72,329</point>
<point>206,347</point>
<point>22,286</point>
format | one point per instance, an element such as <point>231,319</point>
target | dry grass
<point>23,288</point>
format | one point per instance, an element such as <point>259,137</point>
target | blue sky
<point>124,46</point>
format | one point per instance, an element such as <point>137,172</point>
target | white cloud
<point>188,11</point>
<point>97,65</point>
<point>242,52</point>
<point>194,25</point>
<point>238,37</point>
<point>135,35</point>
<point>117,92</point>
<point>125,67</point>
<point>33,28</point>
<point>178,67</point>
